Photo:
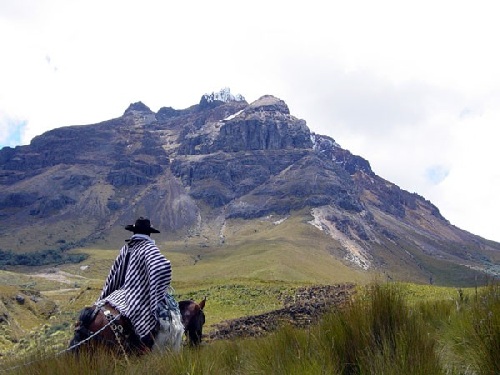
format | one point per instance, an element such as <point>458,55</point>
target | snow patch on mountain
<point>223,95</point>
<point>233,116</point>
<point>322,143</point>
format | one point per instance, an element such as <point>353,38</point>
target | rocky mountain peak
<point>139,114</point>
<point>215,99</point>
<point>269,103</point>
<point>138,107</point>
<point>224,95</point>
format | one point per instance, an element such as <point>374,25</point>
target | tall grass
<point>474,332</point>
<point>380,332</point>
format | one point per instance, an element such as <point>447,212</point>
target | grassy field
<point>388,329</point>
<point>257,264</point>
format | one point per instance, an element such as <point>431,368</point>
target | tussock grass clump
<point>474,332</point>
<point>98,361</point>
<point>289,351</point>
<point>380,334</point>
<point>214,359</point>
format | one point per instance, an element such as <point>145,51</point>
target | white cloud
<point>469,193</point>
<point>412,87</point>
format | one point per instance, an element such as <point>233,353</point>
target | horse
<point>193,319</point>
<point>104,326</point>
<point>99,326</point>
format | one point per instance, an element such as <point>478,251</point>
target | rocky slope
<point>193,171</point>
<point>301,310</point>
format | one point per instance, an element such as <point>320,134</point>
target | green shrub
<point>39,258</point>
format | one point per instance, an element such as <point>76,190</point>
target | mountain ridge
<point>194,170</point>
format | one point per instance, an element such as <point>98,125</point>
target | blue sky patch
<point>11,132</point>
<point>436,174</point>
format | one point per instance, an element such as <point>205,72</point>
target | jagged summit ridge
<point>224,95</point>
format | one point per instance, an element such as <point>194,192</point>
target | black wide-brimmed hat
<point>143,226</point>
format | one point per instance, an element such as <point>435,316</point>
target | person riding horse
<point>138,280</point>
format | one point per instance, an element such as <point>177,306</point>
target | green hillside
<point>249,272</point>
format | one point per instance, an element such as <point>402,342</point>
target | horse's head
<point>193,319</point>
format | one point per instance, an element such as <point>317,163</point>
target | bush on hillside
<point>39,258</point>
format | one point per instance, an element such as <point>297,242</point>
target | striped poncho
<point>136,285</point>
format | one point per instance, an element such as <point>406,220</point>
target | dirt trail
<point>57,275</point>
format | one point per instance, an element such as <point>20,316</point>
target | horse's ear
<point>202,303</point>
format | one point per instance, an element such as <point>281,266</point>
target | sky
<point>411,86</point>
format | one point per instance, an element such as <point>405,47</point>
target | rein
<point>117,330</point>
<point>93,334</point>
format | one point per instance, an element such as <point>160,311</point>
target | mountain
<point>204,172</point>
